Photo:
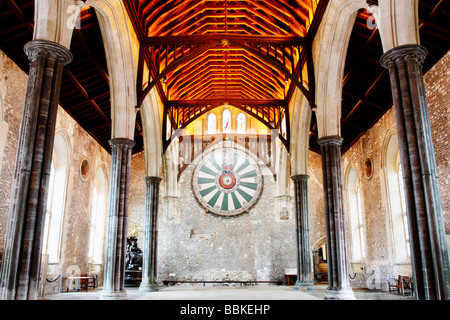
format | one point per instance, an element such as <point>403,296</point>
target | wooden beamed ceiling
<point>222,51</point>
<point>169,29</point>
<point>275,30</point>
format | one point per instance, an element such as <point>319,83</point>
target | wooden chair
<point>93,281</point>
<point>407,285</point>
<point>84,282</point>
<point>395,285</point>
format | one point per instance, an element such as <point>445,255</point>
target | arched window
<point>226,121</point>
<point>403,204</point>
<point>56,199</point>
<point>355,209</point>
<point>212,124</point>
<point>98,216</point>
<point>241,123</point>
<point>396,200</point>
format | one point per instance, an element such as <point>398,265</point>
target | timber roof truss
<point>202,54</point>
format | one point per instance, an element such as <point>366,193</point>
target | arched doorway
<point>320,260</point>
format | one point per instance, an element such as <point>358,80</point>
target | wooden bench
<point>167,282</point>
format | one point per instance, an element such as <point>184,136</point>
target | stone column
<point>116,234</point>
<point>304,270</point>
<point>338,278</point>
<point>24,234</point>
<point>149,265</point>
<point>423,201</point>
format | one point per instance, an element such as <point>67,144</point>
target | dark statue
<point>134,255</point>
<point>133,263</point>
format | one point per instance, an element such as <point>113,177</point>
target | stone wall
<point>196,245</point>
<point>76,223</point>
<point>315,201</point>
<point>136,201</point>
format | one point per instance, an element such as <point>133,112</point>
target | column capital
<point>404,53</point>
<point>151,179</point>
<point>49,50</point>
<point>122,141</point>
<point>331,140</point>
<point>300,177</point>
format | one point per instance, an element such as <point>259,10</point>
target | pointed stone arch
<point>120,50</point>
<point>329,52</point>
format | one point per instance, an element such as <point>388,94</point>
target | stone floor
<point>234,302</point>
<point>200,292</point>
<point>220,302</point>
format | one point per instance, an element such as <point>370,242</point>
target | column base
<point>114,295</point>
<point>304,286</point>
<point>340,294</point>
<point>148,287</point>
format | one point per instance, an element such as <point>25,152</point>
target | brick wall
<point>437,82</point>
<point>370,145</point>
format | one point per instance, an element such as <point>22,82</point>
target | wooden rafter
<point>278,54</point>
<point>181,113</point>
<point>224,50</point>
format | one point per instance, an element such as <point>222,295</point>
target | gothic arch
<point>53,21</point>
<point>300,129</point>
<point>397,232</point>
<point>152,131</point>
<point>58,186</point>
<point>398,22</point>
<point>120,49</point>
<point>355,213</point>
<point>329,52</point>
<point>65,136</point>
<point>99,204</point>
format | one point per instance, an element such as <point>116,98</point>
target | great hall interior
<point>150,145</point>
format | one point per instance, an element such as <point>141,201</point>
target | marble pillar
<point>25,226</point>
<point>116,233</point>
<point>429,252</point>
<point>150,250</point>
<point>338,278</point>
<point>304,267</point>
